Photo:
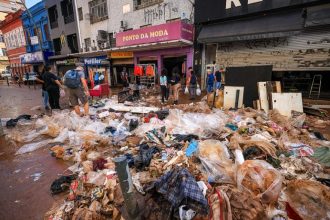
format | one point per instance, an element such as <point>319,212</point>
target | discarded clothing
<point>130,160</point>
<point>184,138</point>
<point>61,184</point>
<point>99,164</point>
<point>322,155</point>
<point>144,156</point>
<point>178,186</point>
<point>13,122</point>
<point>133,124</point>
<point>163,114</point>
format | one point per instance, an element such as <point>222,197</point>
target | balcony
<point>146,3</point>
<point>68,19</point>
<point>54,24</point>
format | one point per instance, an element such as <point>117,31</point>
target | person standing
<point>52,86</point>
<point>163,84</point>
<point>176,85</point>
<point>76,83</point>
<point>45,96</point>
<point>210,81</point>
<point>218,79</point>
<point>96,78</point>
<point>193,85</point>
<point>124,77</point>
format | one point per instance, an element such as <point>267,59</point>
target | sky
<point>30,3</point>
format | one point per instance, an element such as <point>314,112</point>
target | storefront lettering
<point>237,3</point>
<point>151,34</point>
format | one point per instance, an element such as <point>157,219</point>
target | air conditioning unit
<point>102,36</point>
<point>123,24</point>
<point>94,48</point>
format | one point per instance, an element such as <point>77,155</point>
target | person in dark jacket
<point>193,85</point>
<point>52,86</point>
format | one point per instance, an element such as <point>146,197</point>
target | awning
<point>318,15</point>
<point>62,57</point>
<point>267,26</point>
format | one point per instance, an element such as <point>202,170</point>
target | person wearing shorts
<point>81,93</point>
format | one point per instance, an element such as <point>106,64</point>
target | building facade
<point>105,24</point>
<point>37,36</point>
<point>13,33</point>
<point>64,33</point>
<point>290,36</point>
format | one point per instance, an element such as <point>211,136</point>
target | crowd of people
<point>170,84</point>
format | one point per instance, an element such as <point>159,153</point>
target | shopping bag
<point>198,91</point>
<point>186,91</point>
<point>62,93</point>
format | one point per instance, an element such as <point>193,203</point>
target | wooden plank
<point>285,103</point>
<point>263,99</point>
<point>278,87</point>
<point>230,96</point>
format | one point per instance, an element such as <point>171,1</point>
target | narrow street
<point>21,195</point>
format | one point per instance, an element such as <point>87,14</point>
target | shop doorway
<point>172,63</point>
<point>301,81</point>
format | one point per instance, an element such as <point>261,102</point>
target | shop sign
<point>66,62</point>
<point>28,58</point>
<point>211,10</point>
<point>120,55</point>
<point>34,40</point>
<point>94,61</point>
<point>165,32</point>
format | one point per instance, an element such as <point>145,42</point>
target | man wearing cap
<point>76,83</point>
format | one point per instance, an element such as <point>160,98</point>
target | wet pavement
<point>25,179</point>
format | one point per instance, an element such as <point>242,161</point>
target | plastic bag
<point>309,199</point>
<point>62,93</point>
<point>186,90</point>
<point>261,179</point>
<point>32,147</point>
<point>216,161</point>
<point>198,91</point>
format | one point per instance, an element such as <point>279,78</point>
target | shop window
<point>80,14</point>
<point>88,44</point>
<point>138,4</point>
<point>67,11</point>
<point>53,16</point>
<point>57,46</point>
<point>98,10</point>
<point>73,43</point>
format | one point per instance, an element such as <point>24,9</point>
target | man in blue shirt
<point>210,81</point>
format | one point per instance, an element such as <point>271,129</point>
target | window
<point>80,14</point>
<point>98,10</point>
<point>126,8</point>
<point>57,46</point>
<point>52,13</point>
<point>88,43</point>
<point>27,37</point>
<point>138,4</point>
<point>46,29</point>
<point>73,43</point>
<point>67,11</point>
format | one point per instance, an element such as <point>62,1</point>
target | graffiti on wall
<point>161,12</point>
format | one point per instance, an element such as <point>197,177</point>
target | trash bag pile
<point>195,164</point>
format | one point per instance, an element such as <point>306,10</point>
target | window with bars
<point>138,4</point>
<point>98,10</point>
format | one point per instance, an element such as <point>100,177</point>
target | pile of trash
<point>184,163</point>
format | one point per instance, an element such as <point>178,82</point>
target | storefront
<point>97,66</point>
<point>37,60</point>
<point>121,61</point>
<point>291,36</point>
<point>62,65</point>
<point>162,46</point>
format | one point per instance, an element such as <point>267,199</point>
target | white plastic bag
<point>198,91</point>
<point>62,93</point>
<point>186,90</point>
